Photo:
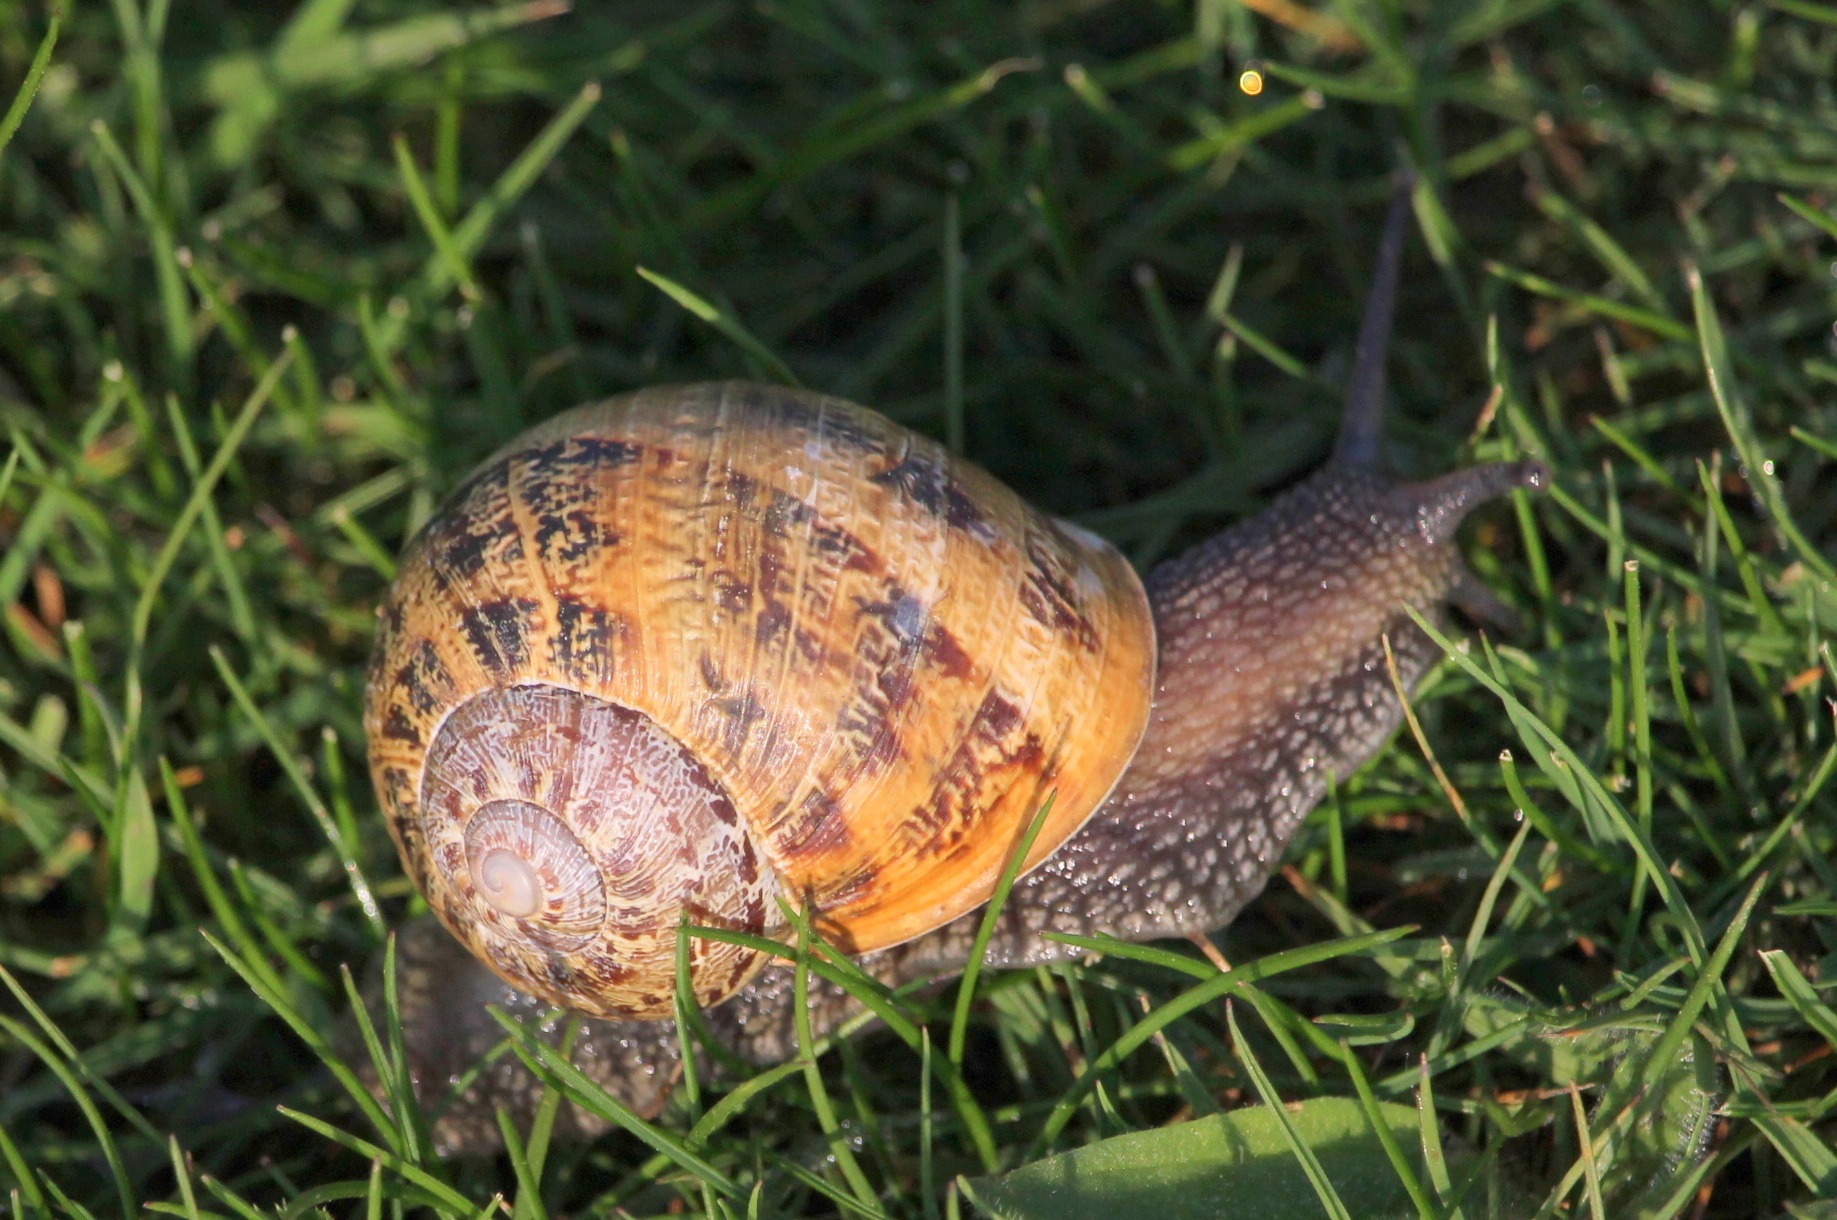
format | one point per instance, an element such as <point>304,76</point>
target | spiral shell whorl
<point>525,862</point>
<point>570,836</point>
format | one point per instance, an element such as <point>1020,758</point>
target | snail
<point>697,650</point>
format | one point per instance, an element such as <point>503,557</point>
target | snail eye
<point>509,883</point>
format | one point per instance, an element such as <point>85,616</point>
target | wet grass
<point>272,282</point>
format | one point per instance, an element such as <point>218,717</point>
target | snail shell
<point>697,650</point>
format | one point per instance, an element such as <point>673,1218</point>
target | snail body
<point>1250,670</point>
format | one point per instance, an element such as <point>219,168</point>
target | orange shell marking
<point>884,656</point>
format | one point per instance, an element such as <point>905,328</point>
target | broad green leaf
<point>1237,1164</point>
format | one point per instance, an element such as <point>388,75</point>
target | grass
<point>272,282</point>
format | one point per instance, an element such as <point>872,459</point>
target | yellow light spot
<point>1251,81</point>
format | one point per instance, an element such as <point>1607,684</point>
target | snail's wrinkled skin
<point>1270,678</point>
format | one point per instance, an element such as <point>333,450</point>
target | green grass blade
<point>1818,216</point>
<point>1612,256</point>
<point>447,1200</point>
<point>1330,1201</point>
<point>176,306</point>
<point>985,930</point>
<point>1233,137</point>
<point>201,490</point>
<point>28,89</point>
<point>428,213</point>
<point>314,1039</point>
<point>1545,742</point>
<point>1195,997</point>
<point>758,355</point>
<point>309,795</point>
<point>1658,324</point>
<point>73,1087</point>
<point>1740,425</point>
<point>863,1193</point>
<point>547,1062</point>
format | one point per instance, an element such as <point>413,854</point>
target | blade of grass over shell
<point>862,1201</point>
<point>985,930</point>
<point>848,977</point>
<point>866,991</point>
<point>691,1026</point>
<point>873,997</point>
